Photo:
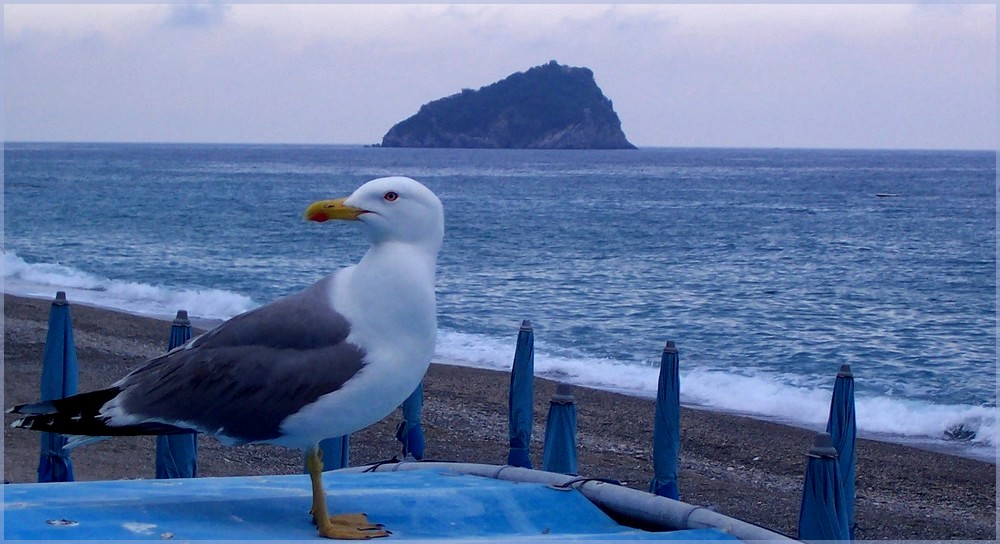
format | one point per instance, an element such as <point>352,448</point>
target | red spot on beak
<point>318,217</point>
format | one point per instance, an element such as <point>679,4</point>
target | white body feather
<point>389,300</point>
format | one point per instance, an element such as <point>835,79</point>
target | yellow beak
<point>324,210</point>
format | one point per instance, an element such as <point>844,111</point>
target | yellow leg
<point>343,526</point>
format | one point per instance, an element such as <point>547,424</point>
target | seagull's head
<point>396,209</point>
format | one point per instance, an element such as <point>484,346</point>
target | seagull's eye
<point>391,196</point>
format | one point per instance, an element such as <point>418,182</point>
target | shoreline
<point>925,444</point>
<point>977,453</point>
<point>745,467</point>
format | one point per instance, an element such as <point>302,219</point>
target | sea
<point>769,268</point>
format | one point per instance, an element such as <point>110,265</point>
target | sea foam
<point>757,394</point>
<point>44,279</point>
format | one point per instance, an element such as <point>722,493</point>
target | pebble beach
<point>743,467</point>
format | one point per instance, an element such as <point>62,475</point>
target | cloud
<point>54,25</point>
<point>196,15</point>
<point>799,75</point>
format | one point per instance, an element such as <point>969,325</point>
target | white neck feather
<point>389,299</point>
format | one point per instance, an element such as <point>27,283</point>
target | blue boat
<point>415,500</point>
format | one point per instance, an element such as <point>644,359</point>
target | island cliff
<point>547,107</point>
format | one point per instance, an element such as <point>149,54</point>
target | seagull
<point>324,362</point>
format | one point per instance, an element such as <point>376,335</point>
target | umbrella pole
<point>177,454</point>
<point>60,374</point>
<point>521,397</point>
<point>559,453</point>
<point>667,426</point>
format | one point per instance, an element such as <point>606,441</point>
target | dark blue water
<point>769,268</point>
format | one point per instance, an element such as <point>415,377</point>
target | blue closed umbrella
<point>177,454</point>
<point>667,426</point>
<point>336,452</point>
<point>822,515</point>
<point>559,454</point>
<point>409,431</point>
<point>842,427</point>
<point>60,374</point>
<point>521,397</point>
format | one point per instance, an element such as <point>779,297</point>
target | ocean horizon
<point>377,145</point>
<point>768,267</point>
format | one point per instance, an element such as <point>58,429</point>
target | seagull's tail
<point>80,415</point>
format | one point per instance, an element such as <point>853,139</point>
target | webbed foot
<point>351,527</point>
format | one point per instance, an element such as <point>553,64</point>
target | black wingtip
<point>81,415</point>
<point>33,423</point>
<point>26,423</point>
<point>33,408</point>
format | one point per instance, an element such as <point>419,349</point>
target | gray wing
<point>243,378</point>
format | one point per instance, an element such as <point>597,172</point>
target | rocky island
<point>546,107</point>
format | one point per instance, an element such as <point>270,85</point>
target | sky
<point>897,76</point>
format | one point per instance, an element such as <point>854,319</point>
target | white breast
<point>388,298</point>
